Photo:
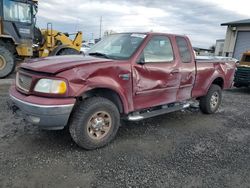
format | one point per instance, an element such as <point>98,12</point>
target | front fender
<point>101,76</point>
<point>106,83</point>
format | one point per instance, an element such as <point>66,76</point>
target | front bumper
<point>47,113</point>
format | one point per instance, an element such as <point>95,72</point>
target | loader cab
<point>17,22</point>
<point>245,60</point>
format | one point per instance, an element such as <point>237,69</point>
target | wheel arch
<point>9,43</point>
<point>108,93</point>
<point>56,50</point>
<point>5,38</point>
<point>218,81</point>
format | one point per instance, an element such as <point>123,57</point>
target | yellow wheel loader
<point>20,39</point>
<point>49,42</point>
<point>242,75</point>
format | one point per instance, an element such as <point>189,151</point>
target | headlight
<point>51,86</point>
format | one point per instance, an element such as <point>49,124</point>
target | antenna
<point>100,28</point>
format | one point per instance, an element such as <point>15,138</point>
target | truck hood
<point>58,64</point>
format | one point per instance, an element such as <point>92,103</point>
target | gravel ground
<point>183,149</point>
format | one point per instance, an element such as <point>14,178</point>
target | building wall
<point>231,37</point>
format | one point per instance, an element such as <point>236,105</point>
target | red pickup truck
<point>129,76</point>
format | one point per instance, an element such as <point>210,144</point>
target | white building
<point>237,38</point>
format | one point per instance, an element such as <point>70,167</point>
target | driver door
<point>156,75</point>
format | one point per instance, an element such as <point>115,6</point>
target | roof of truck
<point>151,33</point>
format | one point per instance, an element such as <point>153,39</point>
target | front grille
<point>23,81</point>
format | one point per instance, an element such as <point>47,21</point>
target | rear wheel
<point>68,51</point>
<point>237,85</point>
<point>7,63</point>
<point>94,123</point>
<point>210,103</point>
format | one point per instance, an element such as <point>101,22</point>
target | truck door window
<point>184,50</point>
<point>159,49</point>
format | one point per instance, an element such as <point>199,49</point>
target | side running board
<point>137,116</point>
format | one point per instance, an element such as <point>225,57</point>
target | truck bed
<point>213,68</point>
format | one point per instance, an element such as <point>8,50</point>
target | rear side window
<point>184,50</point>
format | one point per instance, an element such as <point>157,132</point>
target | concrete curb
<point>6,81</point>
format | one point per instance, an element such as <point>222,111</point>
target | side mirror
<point>141,60</point>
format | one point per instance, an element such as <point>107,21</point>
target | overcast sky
<point>198,19</point>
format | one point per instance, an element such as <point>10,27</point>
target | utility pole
<point>100,28</point>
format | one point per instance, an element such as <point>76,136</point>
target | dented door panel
<point>187,81</point>
<point>157,81</point>
<point>155,84</point>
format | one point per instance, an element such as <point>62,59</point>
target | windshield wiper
<point>99,54</point>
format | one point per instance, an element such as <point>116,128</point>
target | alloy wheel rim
<point>2,62</point>
<point>99,125</point>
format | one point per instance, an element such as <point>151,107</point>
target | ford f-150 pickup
<point>129,76</point>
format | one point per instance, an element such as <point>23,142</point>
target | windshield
<point>117,46</point>
<point>16,11</point>
<point>246,58</point>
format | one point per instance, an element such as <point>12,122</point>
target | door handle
<point>175,71</point>
<point>124,76</point>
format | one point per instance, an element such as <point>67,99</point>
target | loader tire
<point>7,63</point>
<point>68,51</point>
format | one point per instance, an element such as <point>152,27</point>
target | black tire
<point>237,85</point>
<point>68,51</point>
<point>83,116</point>
<point>7,63</point>
<point>210,103</point>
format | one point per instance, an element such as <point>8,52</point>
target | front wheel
<point>210,103</point>
<point>94,123</point>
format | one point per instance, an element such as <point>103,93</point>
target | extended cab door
<point>156,75</point>
<point>187,68</point>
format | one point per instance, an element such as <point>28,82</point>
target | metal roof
<point>202,49</point>
<point>245,22</point>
